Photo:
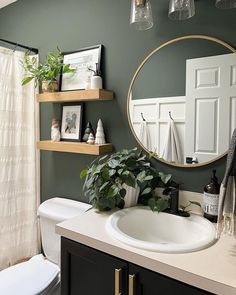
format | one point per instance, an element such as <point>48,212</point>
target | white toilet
<point>41,274</point>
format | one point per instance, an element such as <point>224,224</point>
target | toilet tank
<point>51,212</point>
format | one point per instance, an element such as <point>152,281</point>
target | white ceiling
<point>4,3</point>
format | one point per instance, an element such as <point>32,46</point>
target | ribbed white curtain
<point>18,193</point>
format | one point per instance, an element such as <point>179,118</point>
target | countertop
<point>212,269</point>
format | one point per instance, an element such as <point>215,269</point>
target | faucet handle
<point>169,190</point>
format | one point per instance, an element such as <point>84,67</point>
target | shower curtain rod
<point>35,50</point>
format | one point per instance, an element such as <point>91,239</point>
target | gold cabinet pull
<point>131,284</point>
<point>117,281</point>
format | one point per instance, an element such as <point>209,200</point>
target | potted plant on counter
<point>46,73</point>
<point>121,180</point>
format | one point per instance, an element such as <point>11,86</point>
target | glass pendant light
<point>141,15</point>
<point>226,4</point>
<point>181,9</point>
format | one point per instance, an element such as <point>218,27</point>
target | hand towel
<point>171,151</point>
<point>144,135</point>
<point>227,198</point>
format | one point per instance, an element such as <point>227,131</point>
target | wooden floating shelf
<point>74,147</point>
<point>73,96</point>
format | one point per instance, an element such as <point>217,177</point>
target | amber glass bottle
<point>211,199</point>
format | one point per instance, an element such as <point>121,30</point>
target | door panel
<point>206,127</point>
<point>150,283</point>
<point>86,271</point>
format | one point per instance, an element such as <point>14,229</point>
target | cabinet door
<point>146,282</point>
<point>86,271</point>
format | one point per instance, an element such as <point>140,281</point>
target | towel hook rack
<point>143,117</point>
<point>171,116</point>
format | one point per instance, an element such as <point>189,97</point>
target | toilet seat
<point>29,278</point>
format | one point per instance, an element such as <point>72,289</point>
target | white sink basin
<point>161,232</point>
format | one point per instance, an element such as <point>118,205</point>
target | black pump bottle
<point>211,198</point>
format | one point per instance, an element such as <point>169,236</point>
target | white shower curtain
<point>18,192</point>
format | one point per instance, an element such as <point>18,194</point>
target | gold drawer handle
<point>131,284</point>
<point>117,281</point>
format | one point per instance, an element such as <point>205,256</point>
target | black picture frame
<point>80,59</point>
<point>71,122</point>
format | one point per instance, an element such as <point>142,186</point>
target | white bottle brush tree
<point>100,136</point>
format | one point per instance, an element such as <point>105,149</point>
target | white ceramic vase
<point>96,82</point>
<point>131,197</point>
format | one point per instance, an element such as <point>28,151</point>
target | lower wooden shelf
<point>74,147</point>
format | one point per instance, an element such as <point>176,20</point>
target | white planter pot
<point>96,82</point>
<point>131,197</point>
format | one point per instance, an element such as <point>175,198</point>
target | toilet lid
<point>28,278</point>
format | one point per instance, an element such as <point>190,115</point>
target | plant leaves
<point>104,186</point>
<point>120,171</point>
<point>113,191</point>
<point>105,174</point>
<point>146,191</point>
<point>113,164</point>
<point>149,177</point>
<point>129,179</point>
<point>158,204</point>
<point>196,203</point>
<point>83,173</point>
<point>26,80</point>
<point>141,176</point>
<point>161,205</point>
<point>152,203</point>
<point>112,172</point>
<point>123,192</point>
<point>121,204</point>
<point>165,177</point>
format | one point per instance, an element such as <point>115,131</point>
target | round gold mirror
<point>181,102</point>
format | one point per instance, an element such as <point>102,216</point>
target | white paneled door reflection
<point>210,105</point>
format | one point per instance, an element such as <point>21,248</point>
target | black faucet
<point>173,193</point>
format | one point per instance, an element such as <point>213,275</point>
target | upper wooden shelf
<point>74,147</point>
<point>72,96</point>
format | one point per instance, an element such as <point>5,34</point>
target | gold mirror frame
<point>204,37</point>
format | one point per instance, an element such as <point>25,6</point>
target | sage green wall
<point>73,24</point>
<point>152,80</point>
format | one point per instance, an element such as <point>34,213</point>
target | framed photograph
<point>80,60</point>
<point>71,122</point>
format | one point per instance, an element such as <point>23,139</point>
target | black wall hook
<point>143,117</point>
<point>171,116</point>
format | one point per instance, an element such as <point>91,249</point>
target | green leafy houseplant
<point>104,179</point>
<point>48,71</point>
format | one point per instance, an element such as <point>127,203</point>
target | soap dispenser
<point>211,198</point>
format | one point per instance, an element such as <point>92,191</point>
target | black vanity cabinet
<point>147,282</point>
<point>86,271</point>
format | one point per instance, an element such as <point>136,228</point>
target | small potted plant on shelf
<point>121,180</point>
<point>46,73</point>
